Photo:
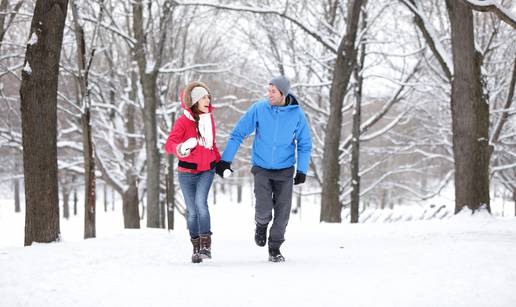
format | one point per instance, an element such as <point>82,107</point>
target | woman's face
<point>203,104</point>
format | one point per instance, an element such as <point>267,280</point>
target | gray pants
<point>273,192</point>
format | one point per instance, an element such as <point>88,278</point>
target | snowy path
<point>458,262</point>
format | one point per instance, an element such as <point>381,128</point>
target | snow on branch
<point>503,167</point>
<point>167,68</point>
<point>375,118</point>
<point>493,6</point>
<point>430,36</point>
<point>108,176</point>
<point>505,114</point>
<point>268,11</point>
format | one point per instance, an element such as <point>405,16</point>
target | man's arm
<point>304,144</point>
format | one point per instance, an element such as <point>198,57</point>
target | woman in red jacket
<point>192,140</point>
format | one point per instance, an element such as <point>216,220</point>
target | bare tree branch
<point>493,6</point>
<point>283,14</point>
<point>505,113</point>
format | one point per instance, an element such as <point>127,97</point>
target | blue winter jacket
<point>278,129</point>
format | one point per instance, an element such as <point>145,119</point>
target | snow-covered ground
<point>458,261</point>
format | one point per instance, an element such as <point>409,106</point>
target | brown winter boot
<point>196,243</point>
<point>205,247</point>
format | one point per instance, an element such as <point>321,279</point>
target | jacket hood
<point>291,103</point>
<point>186,96</point>
<point>291,100</point>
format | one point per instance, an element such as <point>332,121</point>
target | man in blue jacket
<point>281,130</point>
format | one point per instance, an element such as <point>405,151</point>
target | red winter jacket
<point>200,158</point>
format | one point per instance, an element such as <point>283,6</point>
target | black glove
<point>221,167</point>
<point>300,178</point>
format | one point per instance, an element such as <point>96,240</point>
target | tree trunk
<point>214,193</point>
<point>346,57</point>
<point>105,197</point>
<point>239,193</point>
<point>514,199</point>
<point>83,101</point>
<point>171,191</point>
<point>383,199</point>
<point>130,199</point>
<point>89,178</point>
<point>130,206</point>
<point>470,114</point>
<point>148,83</point>
<point>75,198</point>
<point>65,191</point>
<point>162,206</point>
<point>17,195</point>
<point>38,94</point>
<point>113,200</point>
<point>87,143</point>
<point>357,121</point>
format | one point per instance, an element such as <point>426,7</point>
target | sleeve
<point>244,128</point>
<point>175,138</point>
<point>304,144</point>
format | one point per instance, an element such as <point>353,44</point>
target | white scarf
<point>205,129</point>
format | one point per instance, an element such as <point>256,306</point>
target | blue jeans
<point>195,188</point>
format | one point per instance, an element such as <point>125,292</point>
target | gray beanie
<point>197,93</point>
<point>282,83</point>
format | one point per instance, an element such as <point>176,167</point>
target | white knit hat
<point>197,93</point>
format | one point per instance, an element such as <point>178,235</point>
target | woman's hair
<point>196,112</point>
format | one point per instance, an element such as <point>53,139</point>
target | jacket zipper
<point>276,117</point>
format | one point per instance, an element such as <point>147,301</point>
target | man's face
<point>275,96</point>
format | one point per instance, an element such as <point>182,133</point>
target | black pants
<point>273,193</point>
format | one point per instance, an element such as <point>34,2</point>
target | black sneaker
<point>275,255</point>
<point>260,234</point>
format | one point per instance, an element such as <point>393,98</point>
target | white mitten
<point>227,173</point>
<point>185,148</point>
<point>190,143</point>
<point>182,152</point>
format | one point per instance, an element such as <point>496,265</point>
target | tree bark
<point>214,193</point>
<point>130,205</point>
<point>514,199</point>
<point>239,193</point>
<point>38,93</point>
<point>87,143</point>
<point>105,197</point>
<point>75,198</point>
<point>496,8</point>
<point>89,178</point>
<point>16,183</point>
<point>148,81</point>
<point>171,191</point>
<point>65,191</point>
<point>346,58</point>
<point>17,195</point>
<point>357,121</point>
<point>130,197</point>
<point>470,113</point>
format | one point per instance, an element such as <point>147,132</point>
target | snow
<point>150,66</point>
<point>466,260</point>
<point>27,69</point>
<point>33,39</point>
<point>511,12</point>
